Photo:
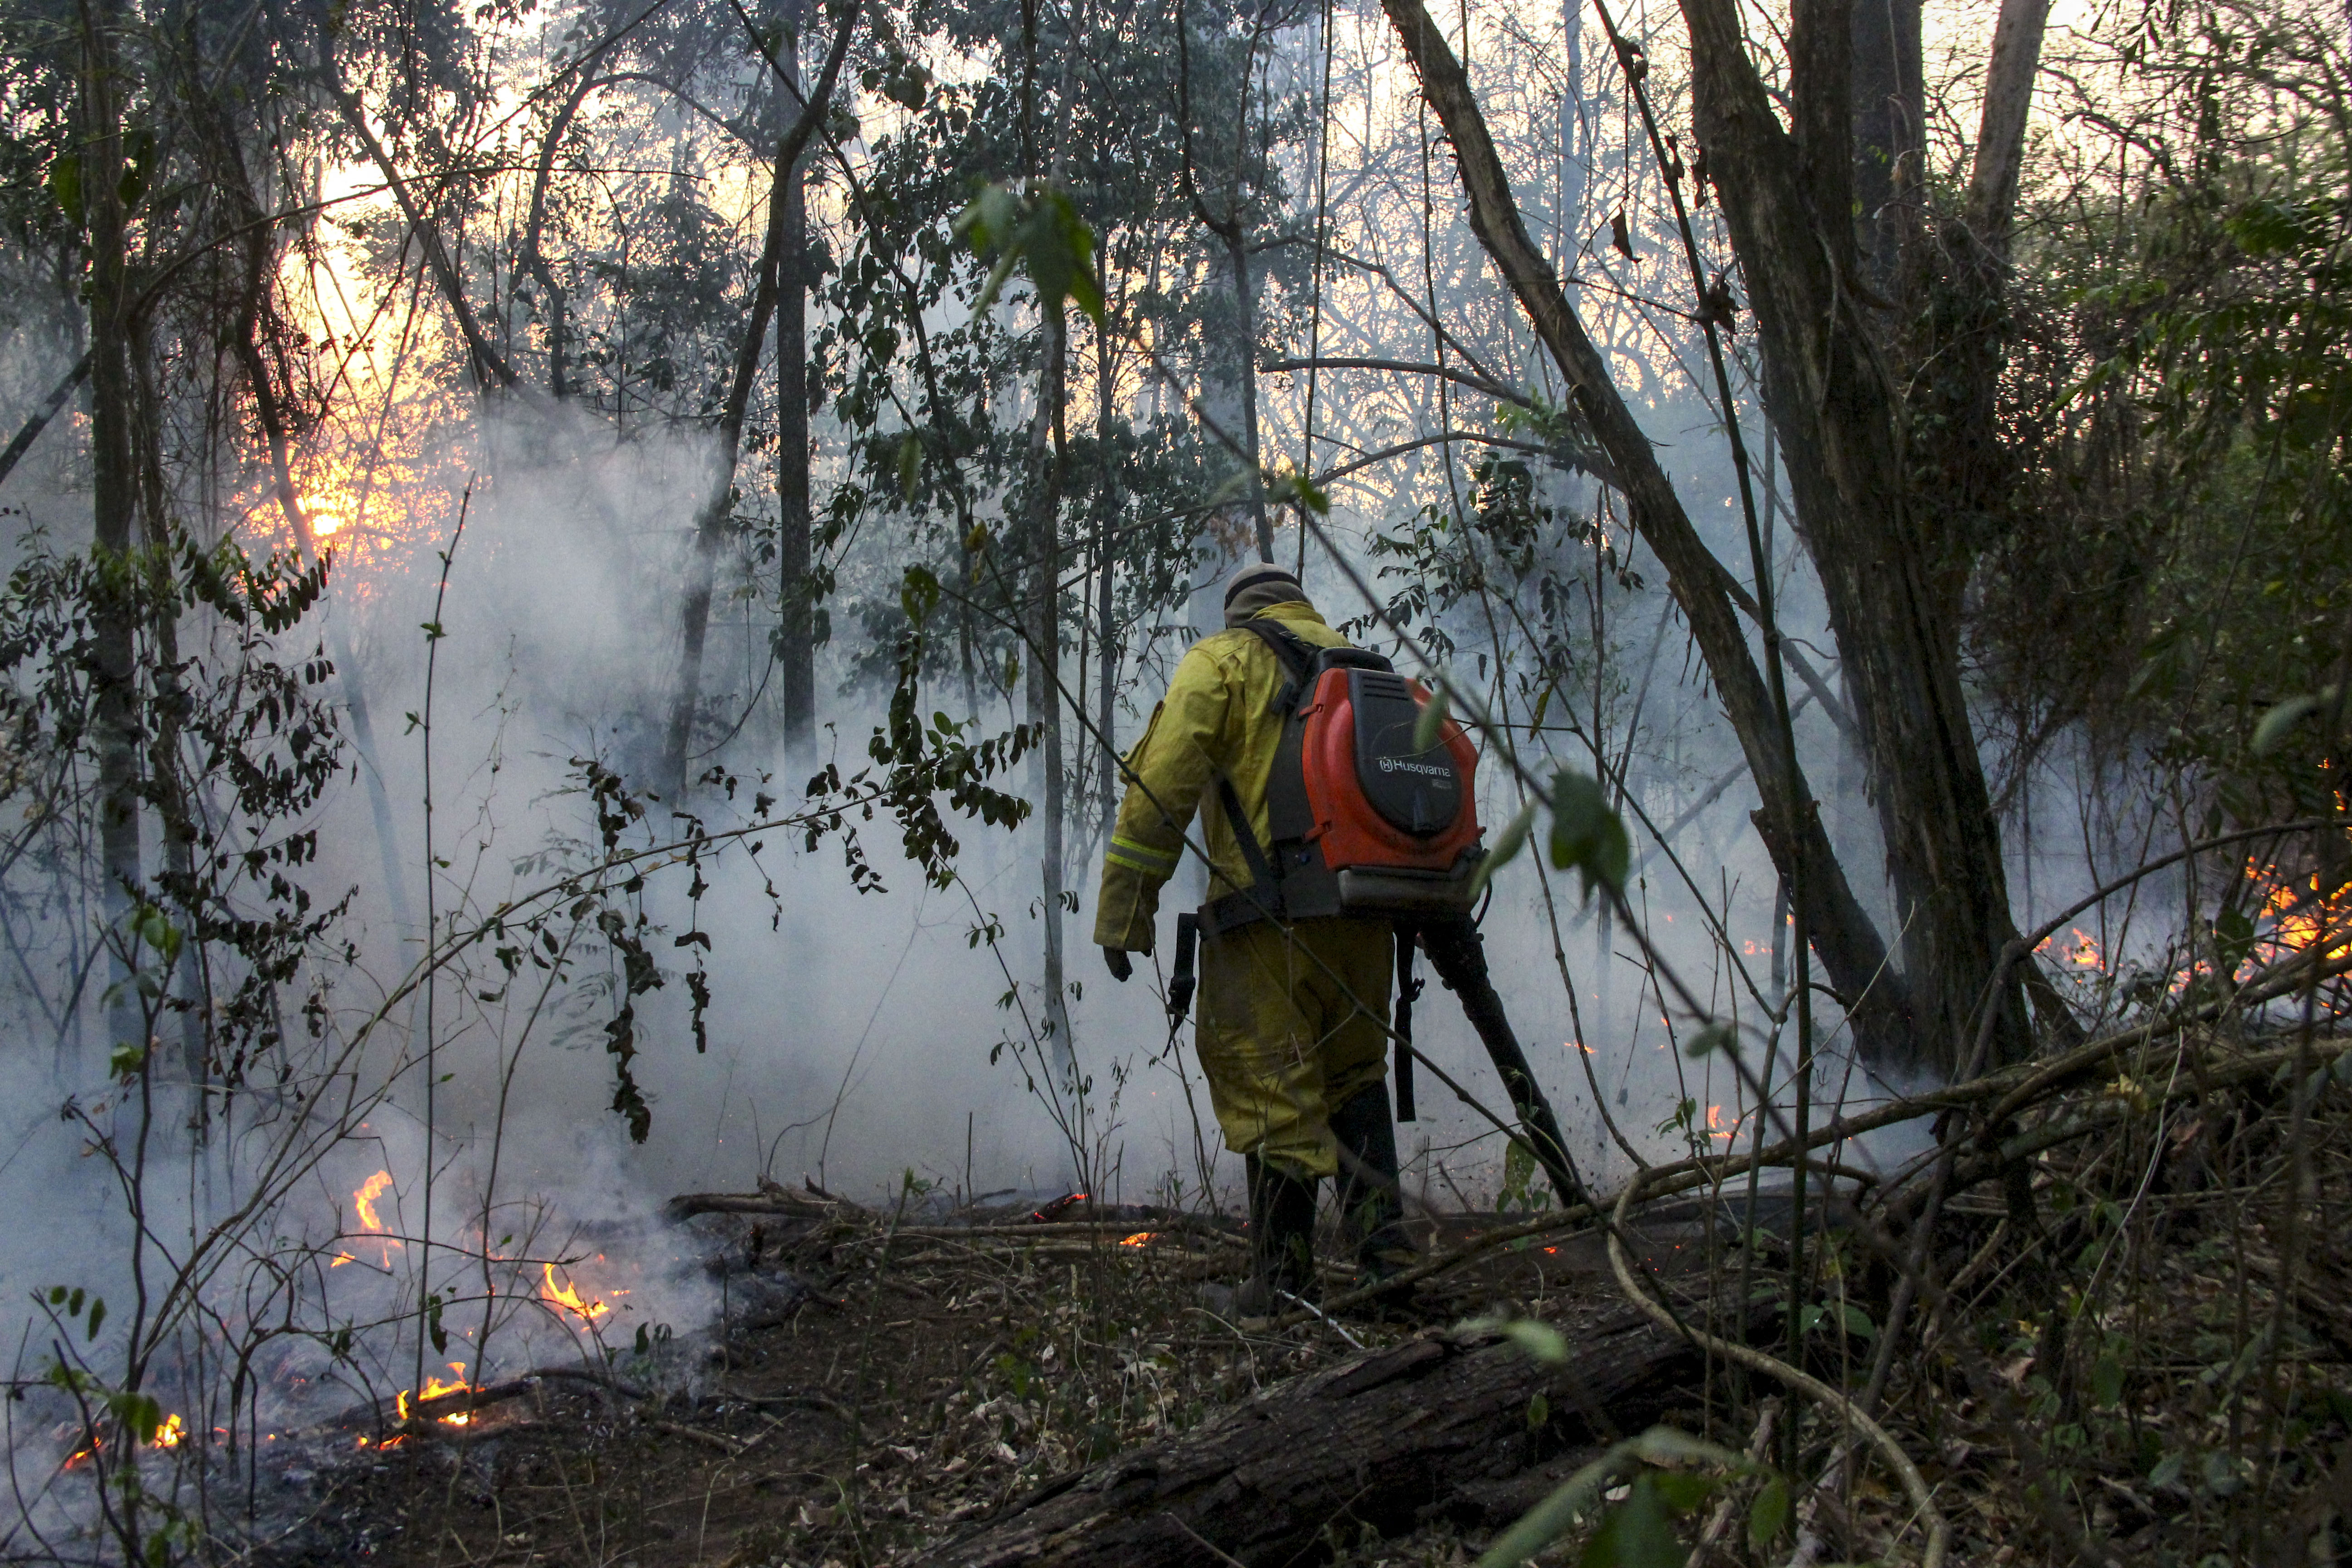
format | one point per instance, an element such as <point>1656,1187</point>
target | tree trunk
<point>1106,519</point>
<point>31,430</point>
<point>1891,577</point>
<point>113,497</point>
<point>225,161</point>
<point>1245,374</point>
<point>534,258</point>
<point>1045,616</point>
<point>1889,114</point>
<point>1852,952</point>
<point>796,616</point>
<point>712,527</point>
<point>2000,133</point>
<point>1439,1426</point>
<point>168,778</point>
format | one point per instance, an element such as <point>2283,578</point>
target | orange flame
<point>364,1200</point>
<point>1717,1127</point>
<point>569,1299</point>
<point>2302,918</point>
<point>1138,1239</point>
<point>171,1433</point>
<point>364,1204</point>
<point>2082,952</point>
<point>434,1387</point>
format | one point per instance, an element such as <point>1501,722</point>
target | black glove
<point>1115,959</point>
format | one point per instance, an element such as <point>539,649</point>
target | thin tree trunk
<point>226,158</point>
<point>2000,133</point>
<point>490,367</point>
<point>113,497</point>
<point>1044,597</point>
<point>1889,111</point>
<point>1048,453</point>
<point>1106,519</point>
<point>712,527</point>
<point>32,429</point>
<point>534,257</point>
<point>796,619</point>
<point>1890,576</point>
<point>1852,952</point>
<point>1246,367</point>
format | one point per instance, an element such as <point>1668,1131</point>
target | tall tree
<point>796,610</point>
<point>1890,572</point>
<point>1852,953</point>
<point>1889,114</point>
<point>113,485</point>
<point>714,525</point>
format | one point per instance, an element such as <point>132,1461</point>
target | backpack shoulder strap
<point>1295,653</point>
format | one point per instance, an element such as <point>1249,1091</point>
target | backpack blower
<point>1365,825</point>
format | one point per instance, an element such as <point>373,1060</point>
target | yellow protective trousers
<point>1291,1027</point>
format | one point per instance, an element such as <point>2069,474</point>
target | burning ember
<point>2301,917</point>
<point>364,1204</point>
<point>1139,1238</point>
<point>1717,1127</point>
<point>569,1299</point>
<point>434,1388</point>
<point>2082,952</point>
<point>170,1432</point>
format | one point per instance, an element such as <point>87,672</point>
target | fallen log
<point>1463,1426</point>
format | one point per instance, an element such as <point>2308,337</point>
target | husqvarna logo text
<point>1407,765</point>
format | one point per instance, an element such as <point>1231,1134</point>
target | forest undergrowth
<point>2127,1338</point>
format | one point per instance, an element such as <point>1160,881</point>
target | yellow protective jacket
<point>1217,718</point>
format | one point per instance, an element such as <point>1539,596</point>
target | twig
<point>727,1446</point>
<point>1766,1415</point>
<point>1916,1486</point>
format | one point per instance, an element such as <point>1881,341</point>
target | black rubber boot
<point>1282,1245</point>
<point>1371,1206</point>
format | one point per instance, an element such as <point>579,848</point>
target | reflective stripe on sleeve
<point>1141,858</point>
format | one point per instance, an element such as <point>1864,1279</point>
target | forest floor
<point>929,1376</point>
<point>2139,1349</point>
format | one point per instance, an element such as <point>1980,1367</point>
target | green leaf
<point>1768,1514</point>
<point>2274,725</point>
<point>919,595</point>
<point>64,185</point>
<point>1046,235</point>
<point>1294,486</point>
<point>2108,1380</point>
<point>1540,1340</point>
<point>126,1061</point>
<point>1548,1519</point>
<point>910,464</point>
<point>1507,847</point>
<point>1637,1534</point>
<point>1586,834</point>
<point>96,1315</point>
<point>1716,1036</point>
<point>139,1413</point>
<point>2167,1469</point>
<point>1539,1413</point>
<point>1430,722</point>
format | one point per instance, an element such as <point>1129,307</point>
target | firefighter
<point>1289,1014</point>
